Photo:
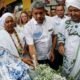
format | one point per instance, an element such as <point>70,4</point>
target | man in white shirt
<point>38,33</point>
<point>56,21</point>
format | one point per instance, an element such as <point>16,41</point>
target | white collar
<point>60,18</point>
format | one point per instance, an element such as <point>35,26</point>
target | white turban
<point>3,18</point>
<point>74,3</point>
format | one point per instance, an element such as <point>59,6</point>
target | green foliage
<point>44,72</point>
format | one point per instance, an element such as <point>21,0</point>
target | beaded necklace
<point>20,45</point>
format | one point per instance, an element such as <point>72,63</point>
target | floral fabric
<point>70,36</point>
<point>11,68</point>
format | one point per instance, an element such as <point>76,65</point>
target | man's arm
<point>54,41</point>
<point>54,38</point>
<point>32,51</point>
<point>33,54</point>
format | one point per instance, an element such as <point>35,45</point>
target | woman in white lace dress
<point>70,37</point>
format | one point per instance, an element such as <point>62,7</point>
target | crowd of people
<point>27,40</point>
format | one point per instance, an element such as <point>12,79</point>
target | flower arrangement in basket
<point>44,72</point>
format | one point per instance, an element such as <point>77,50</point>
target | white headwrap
<point>3,18</point>
<point>74,3</point>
